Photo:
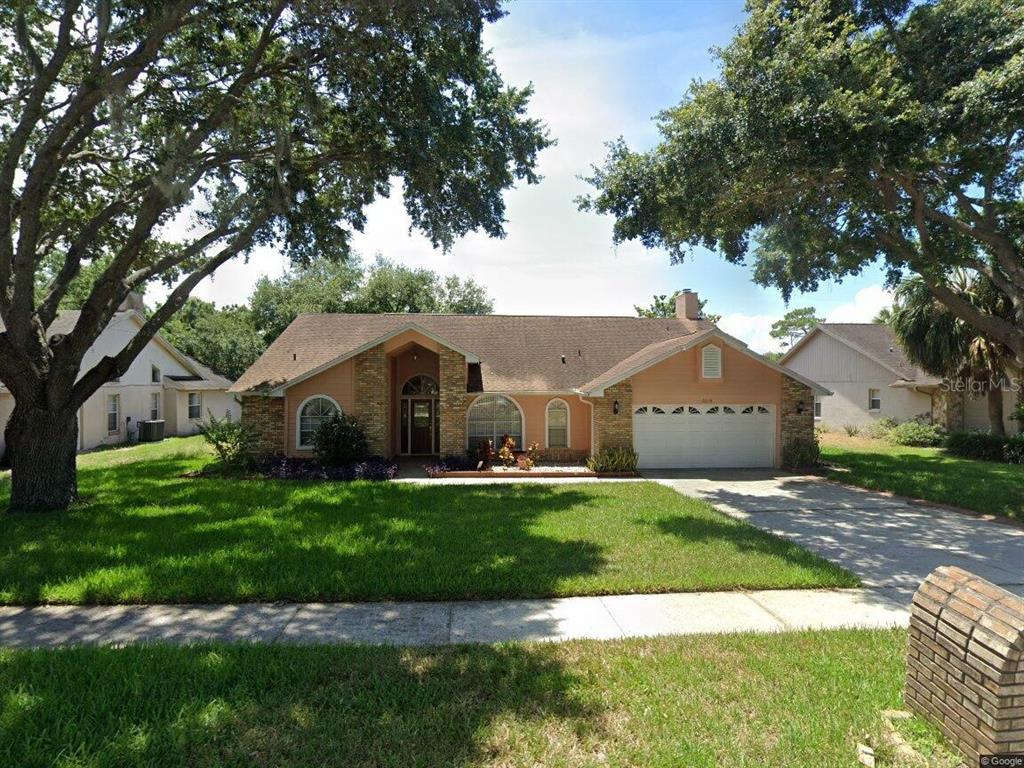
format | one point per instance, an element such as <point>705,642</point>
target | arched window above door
<point>421,385</point>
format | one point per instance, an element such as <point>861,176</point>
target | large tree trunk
<point>41,447</point>
<point>995,411</point>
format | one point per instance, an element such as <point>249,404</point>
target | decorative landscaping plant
<point>918,434</point>
<point>230,440</point>
<point>801,453</point>
<point>613,460</point>
<point>507,452</point>
<point>286,468</point>
<point>340,440</point>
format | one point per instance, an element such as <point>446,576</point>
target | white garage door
<point>704,435</point>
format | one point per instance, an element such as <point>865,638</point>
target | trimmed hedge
<point>986,447</point>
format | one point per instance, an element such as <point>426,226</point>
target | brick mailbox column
<point>964,668</point>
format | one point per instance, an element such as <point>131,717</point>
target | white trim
<point>116,397</point>
<point>298,419</point>
<point>568,423</point>
<point>188,395</point>
<point>522,417</point>
<point>470,357</point>
<point>704,363</point>
<point>689,343</point>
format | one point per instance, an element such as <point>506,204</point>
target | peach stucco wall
<point>744,381</point>
<point>337,382</point>
<point>534,412</point>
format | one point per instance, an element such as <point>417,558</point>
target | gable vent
<point>711,362</point>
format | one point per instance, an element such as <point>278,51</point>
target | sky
<point>599,70</point>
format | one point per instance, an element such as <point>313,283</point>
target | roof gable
<point>875,341</point>
<point>520,353</point>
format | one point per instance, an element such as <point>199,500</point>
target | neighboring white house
<point>871,379</point>
<point>161,383</point>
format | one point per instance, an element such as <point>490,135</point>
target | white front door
<point>704,435</point>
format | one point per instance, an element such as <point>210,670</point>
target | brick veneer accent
<point>373,399</point>
<point>264,416</point>
<point>453,401</point>
<point>614,430</point>
<point>964,668</point>
<point>948,408</point>
<point>794,425</point>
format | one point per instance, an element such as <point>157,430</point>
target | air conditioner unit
<point>151,431</point>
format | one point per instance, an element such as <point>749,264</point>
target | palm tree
<point>944,345</point>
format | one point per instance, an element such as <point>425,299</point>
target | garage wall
<point>678,380</point>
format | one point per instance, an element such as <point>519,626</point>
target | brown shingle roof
<point>878,342</point>
<point>518,353</point>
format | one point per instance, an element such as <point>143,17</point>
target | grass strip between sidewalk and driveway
<point>145,534</point>
<point>986,487</point>
<point>787,700</point>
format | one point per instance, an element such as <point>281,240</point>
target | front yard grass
<point>787,700</point>
<point>143,533</point>
<point>987,487</point>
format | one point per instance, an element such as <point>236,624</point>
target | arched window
<point>421,385</point>
<point>558,424</point>
<point>492,416</point>
<point>313,412</point>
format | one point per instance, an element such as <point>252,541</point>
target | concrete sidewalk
<point>438,623</point>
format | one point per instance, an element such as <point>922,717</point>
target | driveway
<point>887,541</point>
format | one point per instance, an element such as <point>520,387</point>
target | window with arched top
<point>558,424</point>
<point>421,385</point>
<point>491,417</point>
<point>711,362</point>
<point>313,411</point>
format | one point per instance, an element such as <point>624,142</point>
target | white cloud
<point>751,329</point>
<point>866,303</point>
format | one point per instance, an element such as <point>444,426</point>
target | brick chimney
<point>688,305</point>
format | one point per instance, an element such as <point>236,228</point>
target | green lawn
<point>145,533</point>
<point>796,700</point>
<point>927,473</point>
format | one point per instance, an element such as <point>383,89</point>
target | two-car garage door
<point>704,435</point>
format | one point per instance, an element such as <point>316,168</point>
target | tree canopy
<point>944,345</point>
<point>152,140</point>
<point>794,324</point>
<point>664,305</point>
<point>225,340</point>
<point>347,287</point>
<point>840,132</point>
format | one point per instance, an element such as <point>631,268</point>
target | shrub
<point>613,460</point>
<point>507,452</point>
<point>801,453</point>
<point>823,428</point>
<point>1013,451</point>
<point>880,430</point>
<point>374,468</point>
<point>918,434</point>
<point>977,445</point>
<point>339,441</point>
<point>285,468</point>
<point>230,440</point>
<point>484,455</point>
<point>533,453</point>
<point>851,429</point>
<point>461,463</point>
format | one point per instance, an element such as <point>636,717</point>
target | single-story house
<point>162,383</point>
<point>871,378</point>
<point>678,390</point>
